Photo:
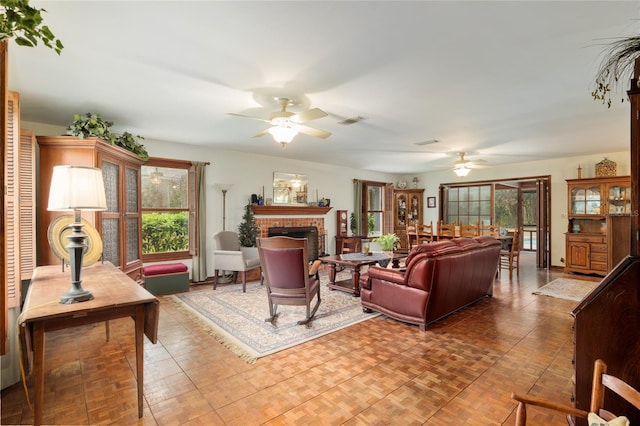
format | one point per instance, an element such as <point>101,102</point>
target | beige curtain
<point>199,269</point>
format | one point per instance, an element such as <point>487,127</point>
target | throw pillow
<point>595,420</point>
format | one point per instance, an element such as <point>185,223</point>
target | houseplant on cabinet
<point>23,23</point>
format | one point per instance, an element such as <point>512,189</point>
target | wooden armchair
<point>601,382</point>
<point>492,230</point>
<point>288,277</point>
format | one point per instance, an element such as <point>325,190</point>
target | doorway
<point>518,203</point>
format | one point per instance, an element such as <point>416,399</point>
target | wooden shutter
<point>27,197</point>
<point>11,201</point>
<point>4,313</point>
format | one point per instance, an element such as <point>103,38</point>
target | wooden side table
<point>115,296</point>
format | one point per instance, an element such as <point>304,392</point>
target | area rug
<point>237,319</point>
<point>567,288</point>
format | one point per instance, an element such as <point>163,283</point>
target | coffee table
<point>355,261</point>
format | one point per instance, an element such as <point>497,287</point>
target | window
<point>468,205</point>
<point>168,210</point>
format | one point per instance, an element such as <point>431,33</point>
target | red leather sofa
<point>440,278</point>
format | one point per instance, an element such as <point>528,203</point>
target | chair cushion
<point>165,268</point>
<point>594,420</point>
<point>252,262</point>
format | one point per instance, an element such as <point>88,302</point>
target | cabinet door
<point>578,255</point>
<point>618,199</point>
<point>132,217</point>
<point>585,200</point>
<point>111,219</point>
<point>414,215</point>
<point>401,210</point>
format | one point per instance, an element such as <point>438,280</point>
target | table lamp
<point>76,188</point>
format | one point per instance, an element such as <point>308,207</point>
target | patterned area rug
<point>237,319</point>
<point>567,288</point>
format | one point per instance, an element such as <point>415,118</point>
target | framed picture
<point>431,202</point>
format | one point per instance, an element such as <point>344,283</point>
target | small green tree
<point>248,231</point>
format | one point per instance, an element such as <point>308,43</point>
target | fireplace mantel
<point>289,210</point>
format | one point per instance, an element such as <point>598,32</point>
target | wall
<point>249,173</point>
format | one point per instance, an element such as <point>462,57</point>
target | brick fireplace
<point>264,223</point>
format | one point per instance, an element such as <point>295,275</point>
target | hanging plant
<point>617,65</point>
<point>23,23</point>
<point>92,125</point>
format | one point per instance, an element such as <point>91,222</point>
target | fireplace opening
<point>308,232</point>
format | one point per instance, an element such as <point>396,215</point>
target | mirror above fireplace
<point>290,188</point>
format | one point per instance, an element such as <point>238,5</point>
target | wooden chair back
<point>351,245</point>
<point>492,230</point>
<point>601,382</point>
<point>446,230</point>
<point>468,230</point>
<point>425,233</point>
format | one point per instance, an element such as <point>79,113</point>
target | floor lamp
<point>76,188</point>
<point>224,187</point>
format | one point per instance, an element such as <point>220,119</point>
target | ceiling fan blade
<point>262,133</point>
<point>248,116</point>
<point>323,134</point>
<point>311,114</point>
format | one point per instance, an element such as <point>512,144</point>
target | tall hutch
<point>598,236</point>
<point>407,211</point>
<point>120,226</point>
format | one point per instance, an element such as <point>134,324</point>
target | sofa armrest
<point>390,275</point>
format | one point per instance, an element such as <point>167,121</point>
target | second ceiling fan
<point>287,124</point>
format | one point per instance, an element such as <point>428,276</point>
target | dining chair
<point>229,256</point>
<point>351,245</point>
<point>412,236</point>
<point>468,230</point>
<point>492,230</point>
<point>446,230</point>
<point>425,233</point>
<point>510,256</point>
<point>287,276</point>
<point>597,413</point>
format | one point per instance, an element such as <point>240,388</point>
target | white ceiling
<point>505,81</point>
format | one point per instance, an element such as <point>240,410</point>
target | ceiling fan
<point>462,167</point>
<point>286,124</point>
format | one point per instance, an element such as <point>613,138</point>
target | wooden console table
<point>115,296</point>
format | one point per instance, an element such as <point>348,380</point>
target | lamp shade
<point>462,171</point>
<point>283,133</point>
<point>76,188</point>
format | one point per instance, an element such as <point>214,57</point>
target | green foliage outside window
<point>165,232</point>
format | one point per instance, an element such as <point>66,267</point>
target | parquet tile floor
<point>460,371</point>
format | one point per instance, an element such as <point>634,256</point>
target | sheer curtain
<point>199,268</point>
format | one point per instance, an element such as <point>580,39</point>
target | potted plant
<point>618,63</point>
<point>92,125</point>
<point>353,224</point>
<point>388,242</point>
<point>248,230</point>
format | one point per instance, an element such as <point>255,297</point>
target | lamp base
<point>76,295</point>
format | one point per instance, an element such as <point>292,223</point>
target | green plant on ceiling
<point>618,61</point>
<point>92,125</point>
<point>24,24</point>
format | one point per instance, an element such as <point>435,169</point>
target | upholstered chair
<point>229,256</point>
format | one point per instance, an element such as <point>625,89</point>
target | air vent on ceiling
<point>429,142</point>
<point>352,120</point>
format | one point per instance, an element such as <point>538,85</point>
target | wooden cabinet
<point>120,225</point>
<point>407,211</point>
<point>598,235</point>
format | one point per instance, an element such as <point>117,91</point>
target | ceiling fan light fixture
<point>284,132</point>
<point>461,170</point>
